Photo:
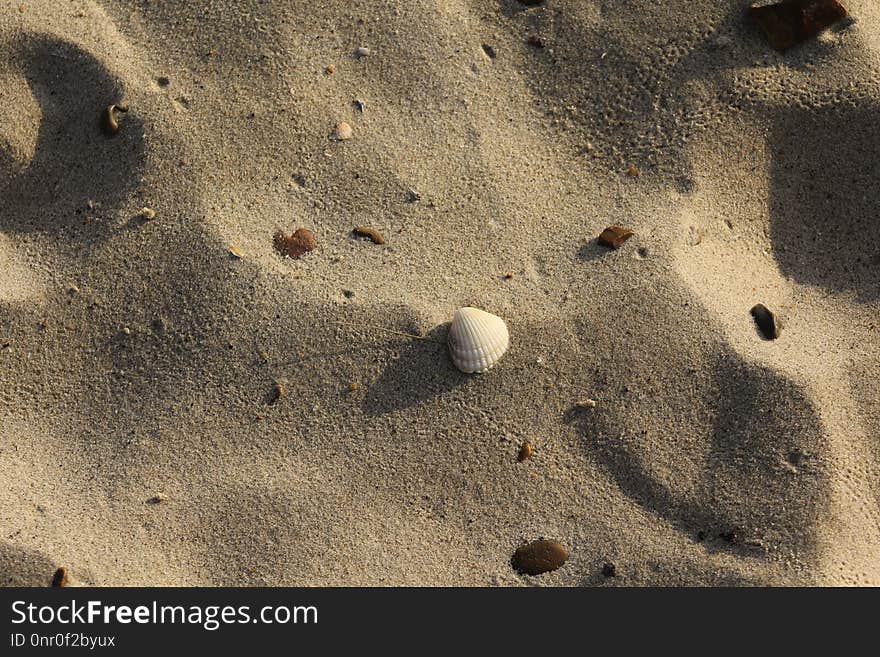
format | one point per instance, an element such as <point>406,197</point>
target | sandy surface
<point>138,357</point>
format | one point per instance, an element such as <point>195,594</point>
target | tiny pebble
<point>148,213</point>
<point>525,452</point>
<point>539,557</point>
<point>363,51</point>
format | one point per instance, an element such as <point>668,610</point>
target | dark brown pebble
<point>791,22</point>
<point>767,323</point>
<point>609,569</point>
<point>109,120</point>
<point>372,233</point>
<point>525,452</point>
<point>276,394</point>
<point>535,41</point>
<point>489,50</point>
<point>293,246</point>
<point>539,557</point>
<point>60,577</point>
<point>615,236</point>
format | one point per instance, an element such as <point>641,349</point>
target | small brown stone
<point>330,70</point>
<point>633,171</point>
<point>372,233</point>
<point>539,557</point>
<point>525,452</point>
<point>609,569</point>
<point>767,322</point>
<point>615,236</point>
<point>293,246</point>
<point>353,387</point>
<point>60,578</point>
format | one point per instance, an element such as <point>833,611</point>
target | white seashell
<point>477,339</point>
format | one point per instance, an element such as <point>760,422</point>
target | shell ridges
<point>477,339</point>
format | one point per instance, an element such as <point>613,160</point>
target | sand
<point>139,357</point>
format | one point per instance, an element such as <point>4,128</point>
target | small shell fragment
<point>342,132</point>
<point>109,120</point>
<point>539,557</point>
<point>372,233</point>
<point>477,339</point>
<point>767,322</point>
<point>236,252</point>
<point>615,236</point>
<point>148,214</point>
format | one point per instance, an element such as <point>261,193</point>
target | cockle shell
<point>477,339</point>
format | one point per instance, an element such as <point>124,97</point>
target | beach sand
<point>138,358</point>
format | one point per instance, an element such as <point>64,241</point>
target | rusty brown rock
<point>372,233</point>
<point>525,452</point>
<point>60,578</point>
<point>293,246</point>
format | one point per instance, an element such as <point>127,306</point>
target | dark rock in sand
<point>767,322</point>
<point>788,23</point>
